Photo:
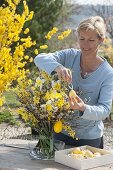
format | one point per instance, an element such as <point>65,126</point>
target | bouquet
<point>45,106</point>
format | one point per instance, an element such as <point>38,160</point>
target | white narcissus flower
<point>49,102</point>
<point>39,82</point>
<point>53,83</point>
<point>43,107</point>
<point>55,109</point>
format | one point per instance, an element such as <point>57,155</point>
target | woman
<point>91,76</point>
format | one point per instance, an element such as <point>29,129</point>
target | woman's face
<point>89,42</point>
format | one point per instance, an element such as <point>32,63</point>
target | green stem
<point>45,143</point>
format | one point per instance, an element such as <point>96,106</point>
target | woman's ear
<point>101,41</point>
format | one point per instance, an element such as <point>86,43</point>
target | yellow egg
<point>72,93</point>
<point>88,154</point>
<point>97,154</point>
<point>83,152</point>
<point>77,156</point>
<point>76,151</point>
<point>58,127</point>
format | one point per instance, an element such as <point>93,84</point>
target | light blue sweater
<point>97,88</point>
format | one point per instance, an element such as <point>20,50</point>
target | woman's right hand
<point>64,73</point>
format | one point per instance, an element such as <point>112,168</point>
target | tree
<point>46,13</point>
<point>106,11</point>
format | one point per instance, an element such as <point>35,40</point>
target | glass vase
<point>46,146</point>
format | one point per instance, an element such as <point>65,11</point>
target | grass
<point>7,117</point>
<point>11,102</point>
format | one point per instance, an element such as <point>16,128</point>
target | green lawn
<point>11,100</point>
<point>12,103</point>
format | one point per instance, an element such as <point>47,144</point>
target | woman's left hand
<point>77,103</point>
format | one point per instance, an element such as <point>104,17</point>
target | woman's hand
<point>64,73</point>
<point>77,103</point>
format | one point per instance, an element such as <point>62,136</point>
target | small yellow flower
<point>26,57</point>
<point>67,106</point>
<point>39,82</point>
<point>60,37</point>
<point>2,100</point>
<point>43,47</point>
<point>49,107</point>
<point>2,29</point>
<point>36,100</point>
<point>30,15</point>
<point>26,31</point>
<point>33,88</point>
<point>57,86</point>
<point>31,60</point>
<point>36,51</point>
<point>48,37</point>
<point>55,29</point>
<point>0,22</point>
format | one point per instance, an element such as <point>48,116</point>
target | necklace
<point>84,74</point>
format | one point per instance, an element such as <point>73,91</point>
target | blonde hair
<point>95,23</point>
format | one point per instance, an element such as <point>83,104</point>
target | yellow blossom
<point>31,60</point>
<point>26,57</point>
<point>48,37</point>
<point>36,51</point>
<point>39,82</point>
<point>36,99</point>
<point>64,34</point>
<point>2,30</point>
<point>60,37</point>
<point>51,33</point>
<point>67,105</point>
<point>1,22</point>
<point>2,100</point>
<point>47,96</point>
<point>31,15</point>
<point>26,31</point>
<point>48,107</point>
<point>43,47</point>
<point>55,29</point>
<point>57,86</point>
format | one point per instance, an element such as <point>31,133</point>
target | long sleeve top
<point>96,90</point>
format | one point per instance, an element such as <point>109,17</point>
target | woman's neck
<point>89,64</point>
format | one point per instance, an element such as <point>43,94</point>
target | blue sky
<point>94,2</point>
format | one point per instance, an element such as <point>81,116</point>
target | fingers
<point>77,103</point>
<point>64,73</point>
<point>72,103</point>
<point>69,74</point>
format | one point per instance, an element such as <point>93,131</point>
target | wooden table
<point>19,159</point>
